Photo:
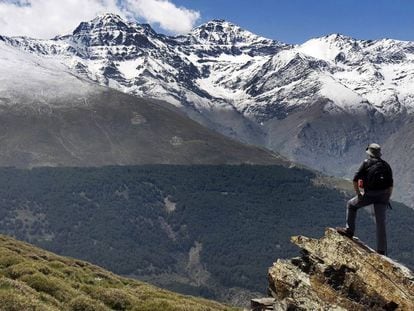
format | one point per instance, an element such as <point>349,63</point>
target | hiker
<point>377,182</point>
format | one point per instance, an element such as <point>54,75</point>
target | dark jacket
<point>363,171</point>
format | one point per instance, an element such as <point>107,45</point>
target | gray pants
<point>380,199</point>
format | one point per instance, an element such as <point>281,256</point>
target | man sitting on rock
<point>377,182</point>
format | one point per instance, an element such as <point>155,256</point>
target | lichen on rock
<point>338,273</point>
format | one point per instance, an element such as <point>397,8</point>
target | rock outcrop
<point>337,273</point>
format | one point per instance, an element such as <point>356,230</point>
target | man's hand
<point>356,188</point>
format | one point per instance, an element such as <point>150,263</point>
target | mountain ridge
<point>52,117</point>
<point>336,94</point>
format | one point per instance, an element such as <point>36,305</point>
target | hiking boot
<point>345,232</point>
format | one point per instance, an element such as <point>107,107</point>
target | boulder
<point>338,273</point>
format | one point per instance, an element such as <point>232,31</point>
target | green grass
<point>33,279</point>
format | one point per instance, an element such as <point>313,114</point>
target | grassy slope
<point>34,279</point>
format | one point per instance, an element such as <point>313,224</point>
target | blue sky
<point>295,21</point>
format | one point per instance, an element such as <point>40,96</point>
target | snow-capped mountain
<point>51,117</point>
<point>319,103</point>
<point>220,64</point>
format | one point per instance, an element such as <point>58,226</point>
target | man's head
<point>374,150</point>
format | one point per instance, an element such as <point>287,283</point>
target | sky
<point>289,21</point>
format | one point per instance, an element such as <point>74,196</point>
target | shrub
<point>13,302</point>
<point>114,298</point>
<point>10,260</point>
<point>57,264</point>
<point>41,283</point>
<point>19,270</point>
<point>83,303</point>
<point>49,285</point>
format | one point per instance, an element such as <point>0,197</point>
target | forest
<point>143,221</point>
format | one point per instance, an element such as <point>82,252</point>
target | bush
<point>10,301</point>
<point>20,270</point>
<point>49,285</point>
<point>83,303</point>
<point>157,305</point>
<point>10,260</point>
<point>114,298</point>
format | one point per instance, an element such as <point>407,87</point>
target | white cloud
<point>47,18</point>
<point>166,14</point>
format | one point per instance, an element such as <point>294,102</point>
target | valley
<point>209,231</point>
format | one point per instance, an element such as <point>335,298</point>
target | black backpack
<point>379,176</point>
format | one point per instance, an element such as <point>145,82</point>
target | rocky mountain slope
<point>34,279</point>
<point>51,117</point>
<point>335,273</point>
<point>319,103</point>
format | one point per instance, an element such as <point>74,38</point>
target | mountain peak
<point>332,48</point>
<point>218,20</point>
<point>338,36</point>
<point>106,21</point>
<point>108,17</point>
<point>111,29</point>
<point>222,32</point>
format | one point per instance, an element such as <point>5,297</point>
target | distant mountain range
<point>51,117</point>
<point>319,103</point>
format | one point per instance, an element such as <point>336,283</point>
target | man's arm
<point>356,188</point>
<point>358,175</point>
